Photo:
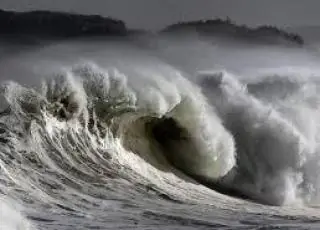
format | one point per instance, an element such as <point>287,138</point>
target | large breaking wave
<point>88,128</point>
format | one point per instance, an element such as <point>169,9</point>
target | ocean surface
<point>159,133</point>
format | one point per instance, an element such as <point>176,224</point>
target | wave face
<point>91,137</point>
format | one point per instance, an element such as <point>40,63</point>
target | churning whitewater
<point>103,148</point>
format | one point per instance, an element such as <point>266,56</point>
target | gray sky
<point>155,14</point>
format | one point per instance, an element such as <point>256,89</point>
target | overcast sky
<point>155,14</point>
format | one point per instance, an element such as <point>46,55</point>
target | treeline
<point>46,23</point>
<point>58,24</point>
<point>228,28</point>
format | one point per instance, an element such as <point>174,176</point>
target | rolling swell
<point>90,130</point>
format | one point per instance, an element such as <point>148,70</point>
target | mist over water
<point>159,132</point>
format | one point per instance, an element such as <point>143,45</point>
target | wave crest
<point>88,119</point>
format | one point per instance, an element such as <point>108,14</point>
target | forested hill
<point>226,28</point>
<point>46,24</point>
<point>57,24</point>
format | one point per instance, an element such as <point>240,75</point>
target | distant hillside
<point>226,28</point>
<point>309,33</point>
<point>55,24</point>
<point>29,27</point>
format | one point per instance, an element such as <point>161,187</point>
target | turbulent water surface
<point>165,135</point>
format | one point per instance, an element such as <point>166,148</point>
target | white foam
<point>10,216</point>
